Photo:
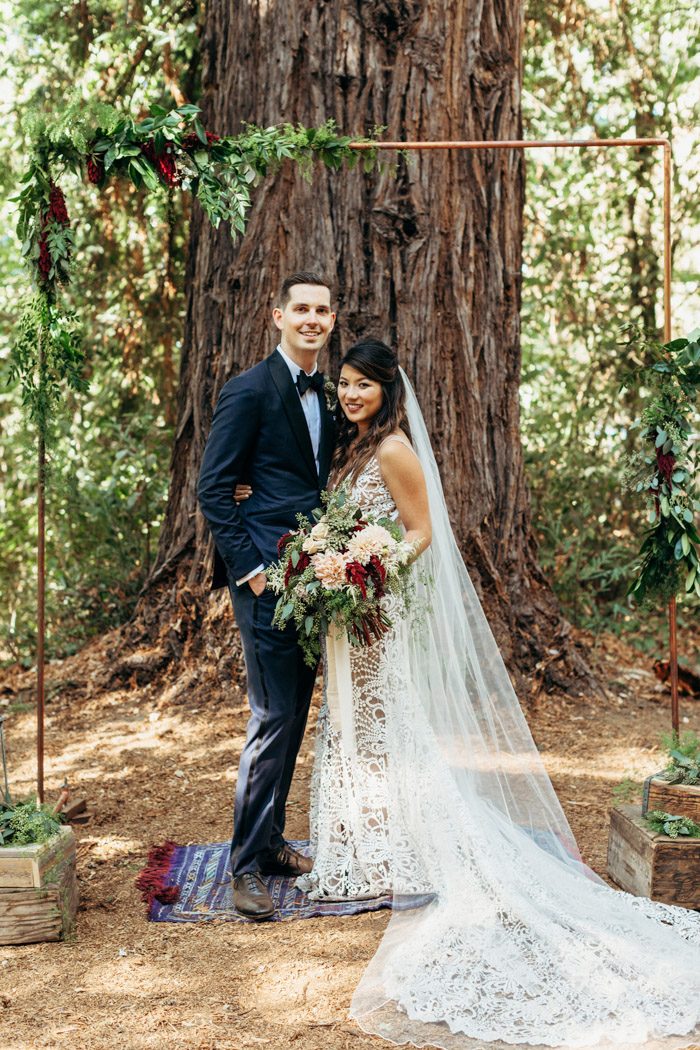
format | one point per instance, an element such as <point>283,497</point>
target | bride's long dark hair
<point>377,362</point>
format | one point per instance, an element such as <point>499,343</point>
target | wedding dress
<point>499,934</point>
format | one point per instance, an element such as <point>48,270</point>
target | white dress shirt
<point>309,403</point>
<point>312,414</point>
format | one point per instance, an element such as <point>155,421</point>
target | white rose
<point>317,540</point>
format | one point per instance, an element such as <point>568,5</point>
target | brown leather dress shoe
<point>250,897</point>
<point>286,861</point>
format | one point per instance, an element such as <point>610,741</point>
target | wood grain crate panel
<point>679,799</point>
<point>45,912</point>
<point>39,864</point>
<point>651,865</point>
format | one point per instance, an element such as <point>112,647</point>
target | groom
<point>272,428</point>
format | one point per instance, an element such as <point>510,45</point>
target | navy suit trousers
<point>280,685</point>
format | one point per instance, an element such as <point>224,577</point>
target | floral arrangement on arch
<point>168,150</point>
<point>665,471</point>
<point>336,570</point>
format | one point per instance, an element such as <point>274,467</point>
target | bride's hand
<point>242,492</point>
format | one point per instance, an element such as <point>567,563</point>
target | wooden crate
<point>651,865</point>
<point>678,799</point>
<point>38,890</point>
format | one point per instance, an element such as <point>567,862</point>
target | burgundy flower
<point>291,570</point>
<point>377,574</point>
<point>665,462</point>
<point>282,542</point>
<point>164,163</point>
<point>149,151</point>
<point>44,256</point>
<point>57,205</point>
<point>167,169</point>
<point>192,141</point>
<point>95,170</point>
<point>357,574</point>
<point>56,213</point>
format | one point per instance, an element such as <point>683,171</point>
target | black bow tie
<point>304,382</point>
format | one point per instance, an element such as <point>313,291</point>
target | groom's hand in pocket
<point>258,584</point>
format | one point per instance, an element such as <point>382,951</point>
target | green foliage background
<point>108,461</point>
<point>592,241</point>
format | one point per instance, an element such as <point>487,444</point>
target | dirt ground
<point>158,761</point>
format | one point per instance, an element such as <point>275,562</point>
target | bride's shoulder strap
<point>397,437</point>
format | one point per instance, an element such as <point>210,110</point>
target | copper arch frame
<point>521,144</point>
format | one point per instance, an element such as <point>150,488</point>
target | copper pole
<point>673,639</point>
<point>672,615</point>
<point>511,144</point>
<point>41,592</point>
<point>667,241</point>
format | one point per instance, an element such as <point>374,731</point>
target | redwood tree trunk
<point>427,256</point>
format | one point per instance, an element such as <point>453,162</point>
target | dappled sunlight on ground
<point>155,763</point>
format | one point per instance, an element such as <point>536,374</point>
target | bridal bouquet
<point>336,570</point>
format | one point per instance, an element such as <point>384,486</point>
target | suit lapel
<point>282,379</point>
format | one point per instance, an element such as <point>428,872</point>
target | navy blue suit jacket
<point>259,435</point>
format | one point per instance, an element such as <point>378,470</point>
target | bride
<point>430,787</point>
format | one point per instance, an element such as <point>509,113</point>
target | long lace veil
<point>462,684</point>
<point>488,834</point>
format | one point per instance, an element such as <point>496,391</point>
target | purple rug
<point>193,884</point>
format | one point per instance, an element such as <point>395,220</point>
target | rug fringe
<point>153,880</point>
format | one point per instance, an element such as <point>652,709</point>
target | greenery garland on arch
<point>167,150</point>
<point>665,471</point>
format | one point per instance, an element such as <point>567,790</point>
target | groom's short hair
<point>302,277</point>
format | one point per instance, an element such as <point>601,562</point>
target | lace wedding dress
<point>361,844</point>
<point>499,934</point>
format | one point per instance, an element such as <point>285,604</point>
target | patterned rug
<point>193,884</point>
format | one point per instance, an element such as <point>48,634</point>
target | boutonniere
<point>330,393</point>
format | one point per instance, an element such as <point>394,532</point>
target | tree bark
<point>427,257</point>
